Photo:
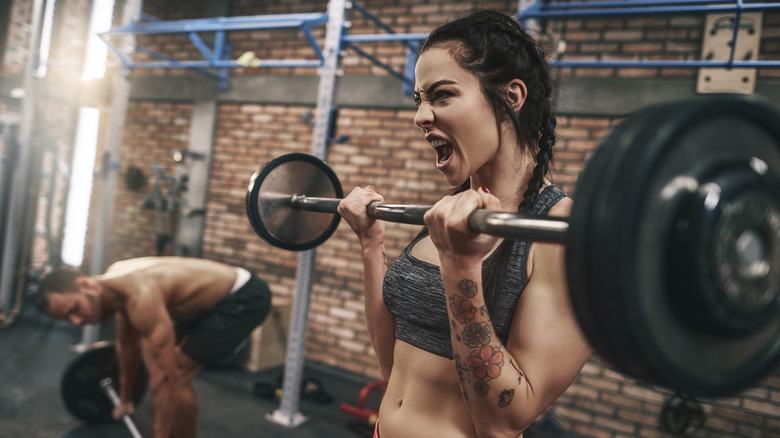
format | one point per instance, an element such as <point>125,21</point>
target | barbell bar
<point>672,245</point>
<point>507,225</point>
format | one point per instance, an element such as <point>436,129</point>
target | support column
<point>288,414</point>
<point>18,225</point>
<point>110,166</point>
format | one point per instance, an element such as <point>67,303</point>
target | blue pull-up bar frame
<point>541,9</point>
<point>216,55</point>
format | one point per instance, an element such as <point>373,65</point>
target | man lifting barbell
<point>672,249</point>
<point>177,314</point>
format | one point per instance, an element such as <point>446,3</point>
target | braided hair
<point>496,49</point>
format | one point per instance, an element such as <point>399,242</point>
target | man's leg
<point>185,422</point>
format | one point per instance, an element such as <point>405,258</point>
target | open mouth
<point>443,151</point>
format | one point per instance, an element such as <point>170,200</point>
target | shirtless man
<point>213,306</point>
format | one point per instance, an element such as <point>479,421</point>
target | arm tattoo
<point>462,369</point>
<point>476,335</point>
<point>505,398</point>
<point>481,388</point>
<point>468,288</point>
<point>519,379</point>
<point>463,310</point>
<point>486,362</point>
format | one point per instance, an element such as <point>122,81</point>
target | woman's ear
<point>517,93</point>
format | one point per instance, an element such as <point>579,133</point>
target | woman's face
<point>454,115</point>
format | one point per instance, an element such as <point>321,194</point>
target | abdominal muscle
<point>423,397</point>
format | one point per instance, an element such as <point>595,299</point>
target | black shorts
<point>216,336</point>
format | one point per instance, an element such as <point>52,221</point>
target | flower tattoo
<point>476,334</point>
<point>486,362</point>
<point>463,310</point>
<point>468,288</point>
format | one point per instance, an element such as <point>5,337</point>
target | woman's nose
<point>424,116</point>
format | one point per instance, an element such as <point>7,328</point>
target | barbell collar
<point>507,225</point>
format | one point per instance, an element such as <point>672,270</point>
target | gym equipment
<point>311,389</point>
<point>361,411</point>
<point>673,244</point>
<point>682,416</point>
<point>87,390</point>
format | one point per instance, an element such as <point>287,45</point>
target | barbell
<point>87,388</point>
<point>672,245</point>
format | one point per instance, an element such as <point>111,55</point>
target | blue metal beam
<point>665,64</point>
<point>215,56</point>
<point>543,10</point>
<point>633,8</point>
<point>252,22</point>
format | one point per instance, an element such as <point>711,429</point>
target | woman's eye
<point>417,100</point>
<point>439,95</point>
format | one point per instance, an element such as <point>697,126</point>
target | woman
<point>476,335</point>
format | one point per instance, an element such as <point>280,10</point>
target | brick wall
<point>153,132</point>
<point>17,41</point>
<point>385,149</point>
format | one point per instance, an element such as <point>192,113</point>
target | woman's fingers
<point>447,222</point>
<point>353,209</point>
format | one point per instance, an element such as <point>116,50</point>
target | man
<point>213,305</point>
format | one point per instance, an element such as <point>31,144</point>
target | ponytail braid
<point>544,158</point>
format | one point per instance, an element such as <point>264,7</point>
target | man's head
<point>67,293</point>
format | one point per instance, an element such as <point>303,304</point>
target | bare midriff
<point>423,397</point>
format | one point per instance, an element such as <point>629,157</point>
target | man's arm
<point>128,352</point>
<point>148,314</point>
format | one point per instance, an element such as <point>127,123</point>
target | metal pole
<point>110,166</point>
<point>288,414</point>
<point>20,196</point>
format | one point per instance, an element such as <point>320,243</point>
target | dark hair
<point>57,280</point>
<point>496,49</point>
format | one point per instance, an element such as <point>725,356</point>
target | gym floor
<point>36,350</point>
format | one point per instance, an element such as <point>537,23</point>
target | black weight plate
<point>80,384</point>
<point>624,208</point>
<point>596,317</point>
<point>269,208</point>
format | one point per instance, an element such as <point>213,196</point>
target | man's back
<point>188,286</point>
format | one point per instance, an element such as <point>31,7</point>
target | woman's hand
<point>353,209</point>
<point>449,228</point>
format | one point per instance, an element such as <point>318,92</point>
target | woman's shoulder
<point>562,208</point>
<point>552,201</point>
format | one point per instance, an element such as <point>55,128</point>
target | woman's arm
<point>379,322</point>
<point>371,234</point>
<point>505,386</point>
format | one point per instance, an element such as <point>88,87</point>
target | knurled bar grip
<point>105,385</point>
<point>507,225</point>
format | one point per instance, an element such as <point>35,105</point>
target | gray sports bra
<point>414,294</point>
